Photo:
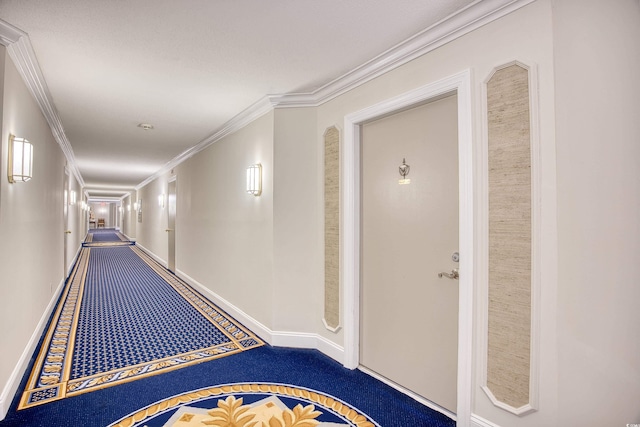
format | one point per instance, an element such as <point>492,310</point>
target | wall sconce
<point>161,200</point>
<point>73,198</point>
<point>20,159</point>
<point>254,179</point>
<point>135,206</point>
<point>129,207</point>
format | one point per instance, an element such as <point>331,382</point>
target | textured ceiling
<point>190,66</point>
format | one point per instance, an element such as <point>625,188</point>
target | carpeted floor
<point>123,327</point>
<point>301,368</point>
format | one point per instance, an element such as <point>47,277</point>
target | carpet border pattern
<point>325,401</point>
<point>49,379</point>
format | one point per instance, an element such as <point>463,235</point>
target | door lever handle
<point>453,275</point>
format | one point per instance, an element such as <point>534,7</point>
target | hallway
<point>128,333</point>
<point>226,140</point>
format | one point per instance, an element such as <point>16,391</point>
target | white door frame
<point>350,257</point>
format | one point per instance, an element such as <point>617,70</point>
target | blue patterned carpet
<point>296,368</point>
<point>106,235</point>
<point>122,318</point>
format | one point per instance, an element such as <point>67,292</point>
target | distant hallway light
<point>254,179</point>
<point>20,159</point>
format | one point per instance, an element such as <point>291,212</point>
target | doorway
<point>409,234</point>
<point>171,226</point>
<point>460,85</point>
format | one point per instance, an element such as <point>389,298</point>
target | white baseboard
<point>159,260</point>
<point>11,387</point>
<point>478,421</point>
<point>308,340</point>
<point>275,338</point>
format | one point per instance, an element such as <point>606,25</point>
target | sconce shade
<point>161,200</point>
<point>254,179</point>
<point>20,159</point>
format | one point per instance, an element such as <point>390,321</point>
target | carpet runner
<point>122,317</point>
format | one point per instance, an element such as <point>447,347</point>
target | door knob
<point>453,275</point>
<point>168,229</point>
<point>67,232</point>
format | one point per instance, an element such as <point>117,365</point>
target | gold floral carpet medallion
<point>249,405</point>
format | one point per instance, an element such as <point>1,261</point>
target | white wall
<point>151,232</point>
<point>597,58</point>
<point>224,236</point>
<point>129,216</point>
<point>264,254</point>
<point>298,221</point>
<point>31,231</point>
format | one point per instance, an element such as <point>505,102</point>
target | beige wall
<point>219,228</point>
<point>31,228</point>
<point>151,232</point>
<point>524,35</point>
<point>264,254</point>
<point>597,58</point>
<point>129,216</point>
<point>298,221</point>
<point>224,236</point>
<point>75,221</point>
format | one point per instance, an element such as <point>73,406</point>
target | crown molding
<point>472,17</point>
<point>21,52</point>
<point>9,34</point>
<point>450,28</point>
<point>255,111</point>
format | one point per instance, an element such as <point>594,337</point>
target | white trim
<point>331,328</point>
<point>73,262</point>
<point>478,421</point>
<point>21,52</point>
<point>13,383</point>
<point>159,260</point>
<point>350,257</point>
<point>309,341</point>
<point>536,235</point>
<point>255,111</point>
<point>522,410</point>
<point>254,325</point>
<point>409,393</point>
<point>474,16</point>
<point>275,338</point>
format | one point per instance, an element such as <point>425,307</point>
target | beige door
<point>409,316</point>
<point>171,226</point>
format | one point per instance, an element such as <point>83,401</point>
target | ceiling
<point>189,67</point>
